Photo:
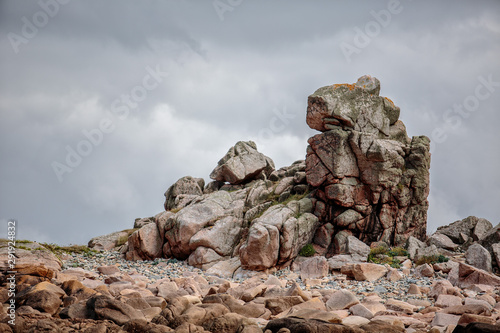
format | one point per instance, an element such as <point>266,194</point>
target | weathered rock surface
<point>183,192</point>
<point>208,213</point>
<point>33,257</point>
<point>277,237</point>
<point>145,243</point>
<point>109,241</point>
<point>467,230</point>
<point>478,257</point>
<point>370,177</point>
<point>241,163</point>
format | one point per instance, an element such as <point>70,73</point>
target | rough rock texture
<point>464,231</point>
<point>145,243</point>
<point>183,192</point>
<point>371,178</point>
<point>197,224</point>
<point>478,257</point>
<point>277,237</point>
<point>109,241</point>
<point>257,221</point>
<point>242,162</point>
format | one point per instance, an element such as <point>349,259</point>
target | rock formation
<point>371,179</point>
<point>362,177</point>
<point>251,217</point>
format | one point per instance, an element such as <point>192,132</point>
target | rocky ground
<point>100,291</point>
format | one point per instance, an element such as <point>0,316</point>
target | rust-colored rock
<point>370,177</point>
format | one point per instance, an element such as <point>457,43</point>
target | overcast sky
<point>164,88</point>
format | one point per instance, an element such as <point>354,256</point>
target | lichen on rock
<point>371,179</point>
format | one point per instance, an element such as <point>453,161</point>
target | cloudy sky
<point>103,105</point>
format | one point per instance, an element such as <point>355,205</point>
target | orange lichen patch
<point>350,86</point>
<point>389,100</point>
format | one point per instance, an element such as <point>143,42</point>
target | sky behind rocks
<point>147,92</point>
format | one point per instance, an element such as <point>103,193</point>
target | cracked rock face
<point>371,179</point>
<point>241,163</point>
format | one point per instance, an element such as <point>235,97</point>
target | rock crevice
<point>369,177</point>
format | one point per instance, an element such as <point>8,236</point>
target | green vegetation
<point>123,239</point>
<point>58,250</point>
<point>295,197</point>
<point>307,251</point>
<point>385,255</point>
<point>431,260</point>
<point>175,210</point>
<point>398,252</point>
<point>275,199</point>
<point>23,247</point>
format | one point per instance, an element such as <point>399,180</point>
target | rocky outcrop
<point>277,236</point>
<point>183,192</point>
<point>466,231</point>
<point>110,241</point>
<point>371,178</point>
<point>252,217</point>
<point>241,163</point>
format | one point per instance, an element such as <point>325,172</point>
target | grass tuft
<point>431,260</point>
<point>307,251</point>
<point>384,255</point>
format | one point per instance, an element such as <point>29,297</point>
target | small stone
<point>444,319</point>
<point>368,272</point>
<point>355,321</point>
<point>444,301</point>
<point>341,299</point>
<point>361,310</point>
<point>414,290</point>
<point>108,270</point>
<point>424,270</point>
<point>394,275</point>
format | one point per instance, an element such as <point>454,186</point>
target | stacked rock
<point>371,179</point>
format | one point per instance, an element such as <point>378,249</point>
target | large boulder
<point>492,236</point>
<point>478,257</point>
<point>32,259</point>
<point>371,178</point>
<point>242,163</point>
<point>110,241</point>
<point>467,230</point>
<point>466,276</point>
<point>205,223</point>
<point>106,308</point>
<point>442,241</point>
<point>183,192</point>
<point>145,243</point>
<point>277,236</point>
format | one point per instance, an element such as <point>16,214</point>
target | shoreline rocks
<point>107,292</point>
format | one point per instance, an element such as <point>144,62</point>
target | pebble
<point>161,268</point>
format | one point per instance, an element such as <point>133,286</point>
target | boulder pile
<point>423,288</point>
<point>370,178</point>
<point>333,243</point>
<point>362,177</point>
